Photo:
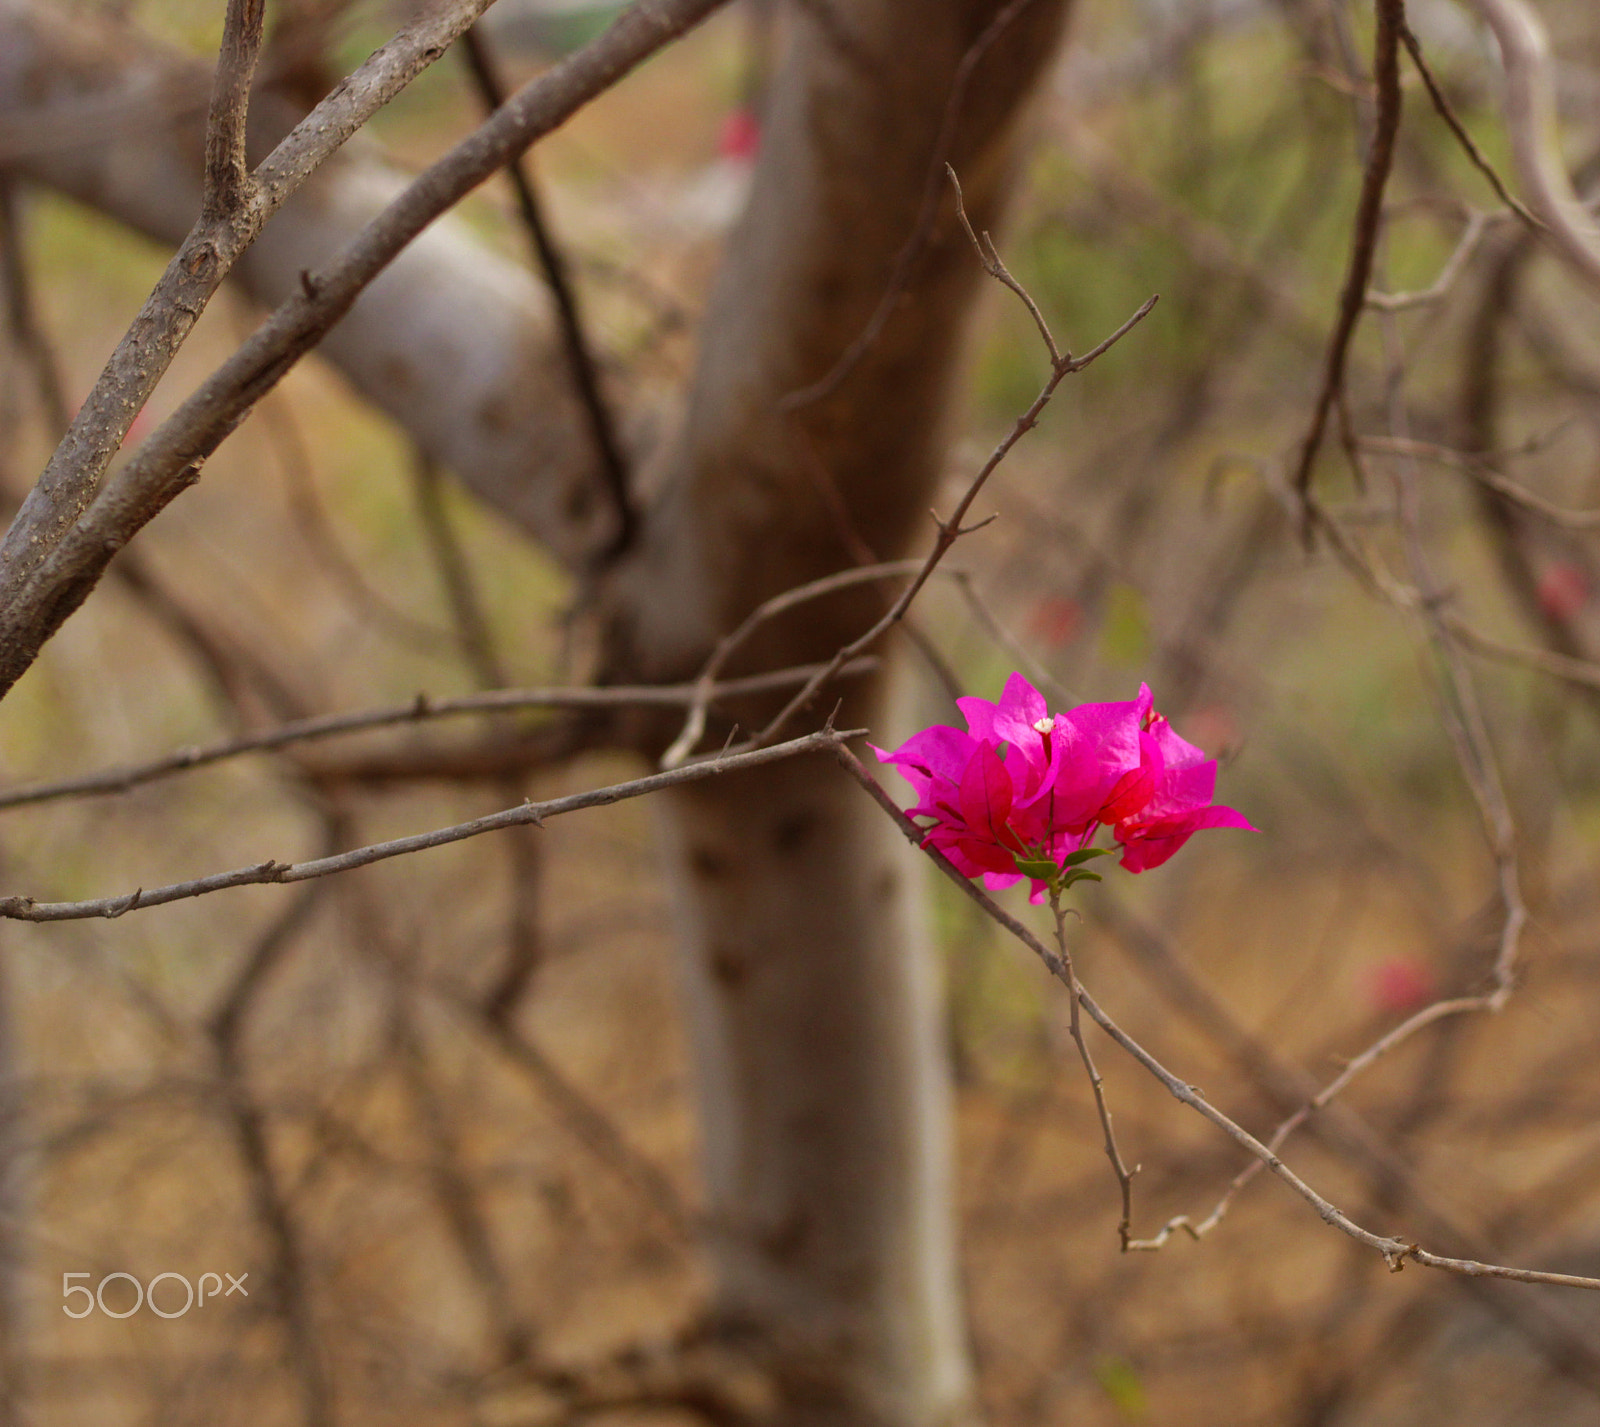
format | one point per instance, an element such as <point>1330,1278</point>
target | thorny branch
<point>26,909</point>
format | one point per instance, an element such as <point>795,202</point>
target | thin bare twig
<point>1456,127</point>
<point>26,909</point>
<point>1460,707</point>
<point>420,709</point>
<point>1471,236</point>
<point>705,686</point>
<point>587,1122</point>
<point>1378,582</point>
<point>1364,242</point>
<point>905,261</point>
<point>456,1196</point>
<point>1464,722</point>
<point>473,638</point>
<point>323,543</point>
<point>1480,469</point>
<point>287,1272</point>
<point>1584,673</point>
<point>1529,102</point>
<point>839,512</point>
<point>523,847</point>
<point>580,359</point>
<point>227,177</point>
<point>1003,636</point>
<point>1429,1015</point>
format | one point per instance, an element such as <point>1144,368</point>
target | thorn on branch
<point>976,526</point>
<point>127,904</point>
<point>1396,1257</point>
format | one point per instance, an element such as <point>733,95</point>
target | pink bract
<point>1022,783</point>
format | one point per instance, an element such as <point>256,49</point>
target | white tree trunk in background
<point>815,1017</point>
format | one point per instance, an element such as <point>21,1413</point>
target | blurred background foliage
<point>446,1214</point>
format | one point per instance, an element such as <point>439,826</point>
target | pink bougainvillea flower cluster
<point>1023,792</point>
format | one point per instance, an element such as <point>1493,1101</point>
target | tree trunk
<point>814,1013</point>
<point>812,993</point>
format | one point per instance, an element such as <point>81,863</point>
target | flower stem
<point>1123,1173</point>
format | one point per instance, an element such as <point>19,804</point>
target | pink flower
<point>1399,984</point>
<point>1056,621</point>
<point>740,136</point>
<point>1023,792</point>
<point>1562,591</point>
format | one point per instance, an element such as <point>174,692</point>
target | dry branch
<point>420,709</point>
<point>1364,242</point>
<point>1062,365</point>
<point>580,359</point>
<point>26,909</point>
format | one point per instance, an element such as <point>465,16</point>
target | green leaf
<point>1078,875</point>
<point>1125,628</point>
<point>1121,1383</point>
<point>1074,858</point>
<point>1041,868</point>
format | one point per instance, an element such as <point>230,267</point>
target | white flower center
<point>1045,724</point>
